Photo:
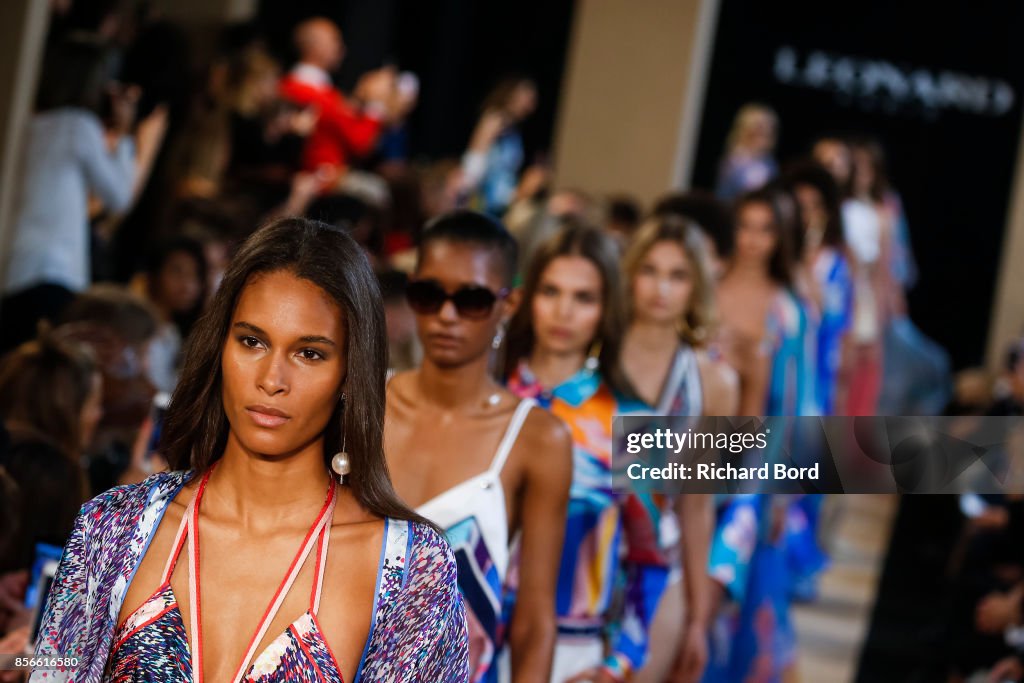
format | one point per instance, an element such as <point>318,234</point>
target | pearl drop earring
<point>340,463</point>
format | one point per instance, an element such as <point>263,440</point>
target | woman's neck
<point>748,270</point>
<point>551,368</point>
<point>646,335</point>
<point>454,388</point>
<point>261,492</point>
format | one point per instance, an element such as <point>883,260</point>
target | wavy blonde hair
<point>698,320</point>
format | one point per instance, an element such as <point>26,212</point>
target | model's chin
<point>268,442</point>
<point>447,357</point>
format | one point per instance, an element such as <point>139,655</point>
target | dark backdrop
<point>458,48</point>
<point>951,140</point>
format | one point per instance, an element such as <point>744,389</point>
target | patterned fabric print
<point>101,555</point>
<point>835,281</point>
<point>498,187</point>
<point>792,338</point>
<point>752,637</point>
<point>481,588</point>
<point>611,539</point>
<point>419,628</point>
<point>154,634</point>
<point>420,631</point>
<point>682,393</point>
<point>299,654</point>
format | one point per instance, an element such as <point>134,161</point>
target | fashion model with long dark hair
<point>298,561</point>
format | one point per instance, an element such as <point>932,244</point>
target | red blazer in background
<point>342,131</point>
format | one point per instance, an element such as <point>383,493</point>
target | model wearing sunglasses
<point>496,468</point>
<point>427,297</point>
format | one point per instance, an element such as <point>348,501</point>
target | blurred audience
<point>748,163</point>
<point>71,155</point>
<point>491,164</point>
<point>174,284</point>
<point>51,397</point>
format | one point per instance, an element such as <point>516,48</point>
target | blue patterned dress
<point>752,556</point>
<point>418,628</point>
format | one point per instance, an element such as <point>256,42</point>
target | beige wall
<point>631,100</point>
<point>22,33</point>
<point>1008,308</point>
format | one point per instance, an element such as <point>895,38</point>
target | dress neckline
<point>319,533</point>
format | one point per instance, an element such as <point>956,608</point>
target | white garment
<point>574,654</point>
<point>482,497</point>
<point>473,512</point>
<point>862,229</point>
<point>66,159</point>
<point>311,74</point>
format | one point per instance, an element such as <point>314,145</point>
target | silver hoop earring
<point>340,463</point>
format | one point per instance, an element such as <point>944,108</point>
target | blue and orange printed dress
<point>611,542</point>
<point>418,628</point>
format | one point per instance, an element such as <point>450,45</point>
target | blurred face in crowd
<point>863,171</point>
<point>320,43</point>
<point>759,133</point>
<point>92,410</point>
<point>283,364</point>
<point>812,207</point>
<point>450,338</point>
<point>523,101</point>
<point>663,284</point>
<point>835,156</point>
<point>178,286</point>
<point>217,256</point>
<point>756,237</point>
<point>565,203</point>
<point>567,306</point>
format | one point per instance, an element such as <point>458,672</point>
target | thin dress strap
<point>511,433</point>
<point>282,591</point>
<point>195,597</point>
<point>179,542</point>
<point>321,562</point>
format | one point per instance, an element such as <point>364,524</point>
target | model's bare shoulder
<point>721,385</point>
<point>547,435</point>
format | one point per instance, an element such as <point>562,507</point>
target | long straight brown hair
<point>196,426</point>
<point>588,242</point>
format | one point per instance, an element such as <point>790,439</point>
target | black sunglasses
<point>426,297</point>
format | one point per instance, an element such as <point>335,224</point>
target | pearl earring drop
<point>340,463</point>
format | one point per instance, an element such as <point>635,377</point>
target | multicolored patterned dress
<point>758,537</point>
<point>417,633</point>
<point>611,544</point>
<point>835,281</point>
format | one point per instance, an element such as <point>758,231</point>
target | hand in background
<point>1008,669</point>
<point>594,675</point>
<point>997,611</point>
<point>14,643</point>
<point>376,86</point>
<point>693,657</point>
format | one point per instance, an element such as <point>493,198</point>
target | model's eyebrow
<point>316,339</point>
<point>307,339</point>
<point>251,328</point>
